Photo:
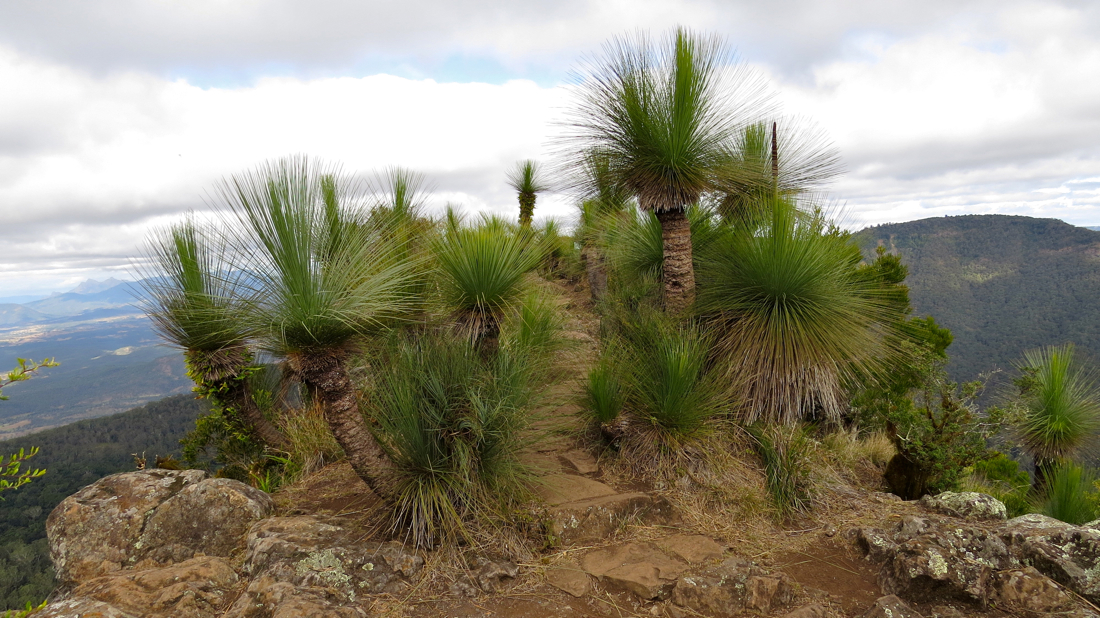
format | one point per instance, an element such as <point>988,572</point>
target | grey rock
<point>492,574</point>
<point>967,505</point>
<point>1029,593</point>
<point>733,587</point>
<point>1068,554</point>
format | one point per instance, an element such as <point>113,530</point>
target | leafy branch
<point>11,477</point>
<point>23,371</point>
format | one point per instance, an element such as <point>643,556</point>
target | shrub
<point>1001,477</point>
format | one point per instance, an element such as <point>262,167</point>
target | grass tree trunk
<point>526,208</point>
<point>219,373</point>
<point>240,395</point>
<point>678,272</point>
<point>326,373</point>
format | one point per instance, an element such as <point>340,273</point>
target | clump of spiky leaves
<point>526,178</point>
<point>453,423</point>
<point>670,388</point>
<point>1060,406</point>
<point>785,452</point>
<point>795,318</point>
<point>192,292</point>
<point>1070,494</point>
<point>603,395</point>
<point>785,157</point>
<point>482,269</point>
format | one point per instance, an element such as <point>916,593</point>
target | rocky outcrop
<point>973,555</point>
<point>149,517</point>
<point>165,543</point>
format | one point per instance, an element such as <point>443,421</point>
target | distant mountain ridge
<point>1003,284</point>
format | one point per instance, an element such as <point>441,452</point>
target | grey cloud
<point>280,36</point>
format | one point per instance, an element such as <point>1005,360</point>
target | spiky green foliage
<point>193,292</point>
<point>527,179</point>
<point>1061,404</point>
<point>400,190</point>
<point>1070,494</point>
<point>785,157</point>
<point>482,269</point>
<point>670,386</point>
<point>560,255</point>
<point>784,451</point>
<point>662,114</point>
<point>796,319</point>
<point>603,392</point>
<point>453,425</point>
<point>320,273</point>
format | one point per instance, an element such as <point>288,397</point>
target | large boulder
<point>149,517</point>
<point>732,587</point>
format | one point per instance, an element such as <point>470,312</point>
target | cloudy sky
<point>118,115</point>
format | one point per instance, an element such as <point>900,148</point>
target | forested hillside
<point>74,456</point>
<point>1002,284</point>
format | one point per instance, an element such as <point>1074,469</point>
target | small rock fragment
<point>891,607</point>
<point>571,580</point>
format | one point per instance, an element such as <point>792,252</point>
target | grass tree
<point>602,199</point>
<point>526,178</point>
<point>1060,407</point>
<point>796,318</point>
<point>193,302</point>
<point>321,275</point>
<point>482,269</point>
<point>664,115</point>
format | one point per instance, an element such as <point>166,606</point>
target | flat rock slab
<point>569,579</point>
<point>595,519</point>
<point>563,488</point>
<point>581,461</point>
<point>692,548</point>
<point>640,569</point>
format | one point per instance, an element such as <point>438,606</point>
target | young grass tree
<point>482,268</point>
<point>321,276</point>
<point>1060,405</point>
<point>526,178</point>
<point>796,317</point>
<point>193,300</point>
<point>663,114</point>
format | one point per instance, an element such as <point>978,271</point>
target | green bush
<point>1001,477</point>
<point>669,383</point>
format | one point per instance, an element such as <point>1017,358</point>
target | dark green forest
<point>74,456</point>
<point>1002,284</point>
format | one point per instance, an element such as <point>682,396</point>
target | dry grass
<point>312,446</point>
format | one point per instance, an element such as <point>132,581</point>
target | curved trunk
<point>678,274</point>
<point>596,267</point>
<point>326,373</point>
<point>240,396</point>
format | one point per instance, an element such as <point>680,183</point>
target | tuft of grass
<point>453,424</point>
<point>312,446</point>
<point>785,452</point>
<point>849,447</point>
<point>603,392</point>
<point>1070,494</point>
<point>669,385</point>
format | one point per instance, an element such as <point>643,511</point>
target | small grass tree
<point>526,178</point>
